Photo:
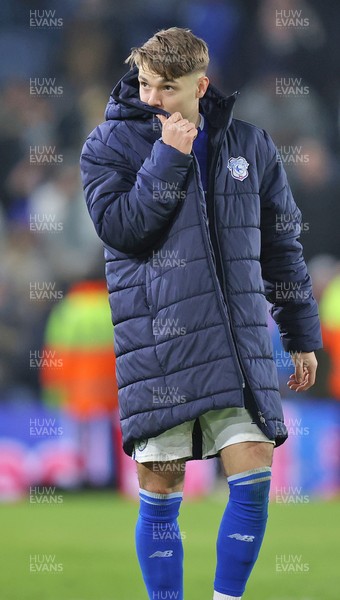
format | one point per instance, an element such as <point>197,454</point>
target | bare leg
<point>244,456</point>
<point>162,478</point>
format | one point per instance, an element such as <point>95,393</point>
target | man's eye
<point>168,87</point>
<point>143,84</point>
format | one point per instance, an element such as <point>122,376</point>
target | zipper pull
<point>262,419</point>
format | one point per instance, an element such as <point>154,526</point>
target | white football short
<point>220,428</point>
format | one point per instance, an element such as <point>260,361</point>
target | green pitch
<point>82,548</point>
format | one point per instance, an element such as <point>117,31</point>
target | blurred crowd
<point>60,61</point>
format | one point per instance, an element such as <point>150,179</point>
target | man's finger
<point>162,118</point>
<point>299,387</point>
<point>311,375</point>
<point>299,374</point>
<point>175,117</point>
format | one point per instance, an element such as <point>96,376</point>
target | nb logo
<point>242,538</point>
<point>159,554</point>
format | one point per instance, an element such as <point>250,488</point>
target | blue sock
<point>241,531</point>
<point>159,545</point>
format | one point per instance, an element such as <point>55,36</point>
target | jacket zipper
<point>219,269</point>
<point>219,259</point>
<point>226,317</point>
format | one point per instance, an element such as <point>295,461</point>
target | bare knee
<point>162,477</point>
<point>263,453</point>
<point>244,456</point>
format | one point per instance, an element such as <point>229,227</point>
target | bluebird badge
<point>238,167</point>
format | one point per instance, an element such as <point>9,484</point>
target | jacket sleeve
<point>131,209</point>
<point>287,283</point>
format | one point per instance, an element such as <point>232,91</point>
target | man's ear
<point>202,86</point>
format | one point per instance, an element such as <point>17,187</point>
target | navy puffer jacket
<point>187,276</point>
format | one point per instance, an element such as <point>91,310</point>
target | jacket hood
<point>124,103</point>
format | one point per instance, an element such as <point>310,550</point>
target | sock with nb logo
<point>241,531</point>
<point>159,545</point>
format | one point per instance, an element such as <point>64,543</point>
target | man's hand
<point>178,132</point>
<point>305,371</point>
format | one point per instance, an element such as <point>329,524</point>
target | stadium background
<point>68,493</point>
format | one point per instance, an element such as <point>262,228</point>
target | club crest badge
<point>238,168</point>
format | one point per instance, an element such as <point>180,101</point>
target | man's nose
<point>154,99</point>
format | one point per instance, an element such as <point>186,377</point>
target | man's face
<point>177,95</point>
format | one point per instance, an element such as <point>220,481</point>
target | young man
<point>189,204</point>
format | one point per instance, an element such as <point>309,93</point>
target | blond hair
<point>171,53</point>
